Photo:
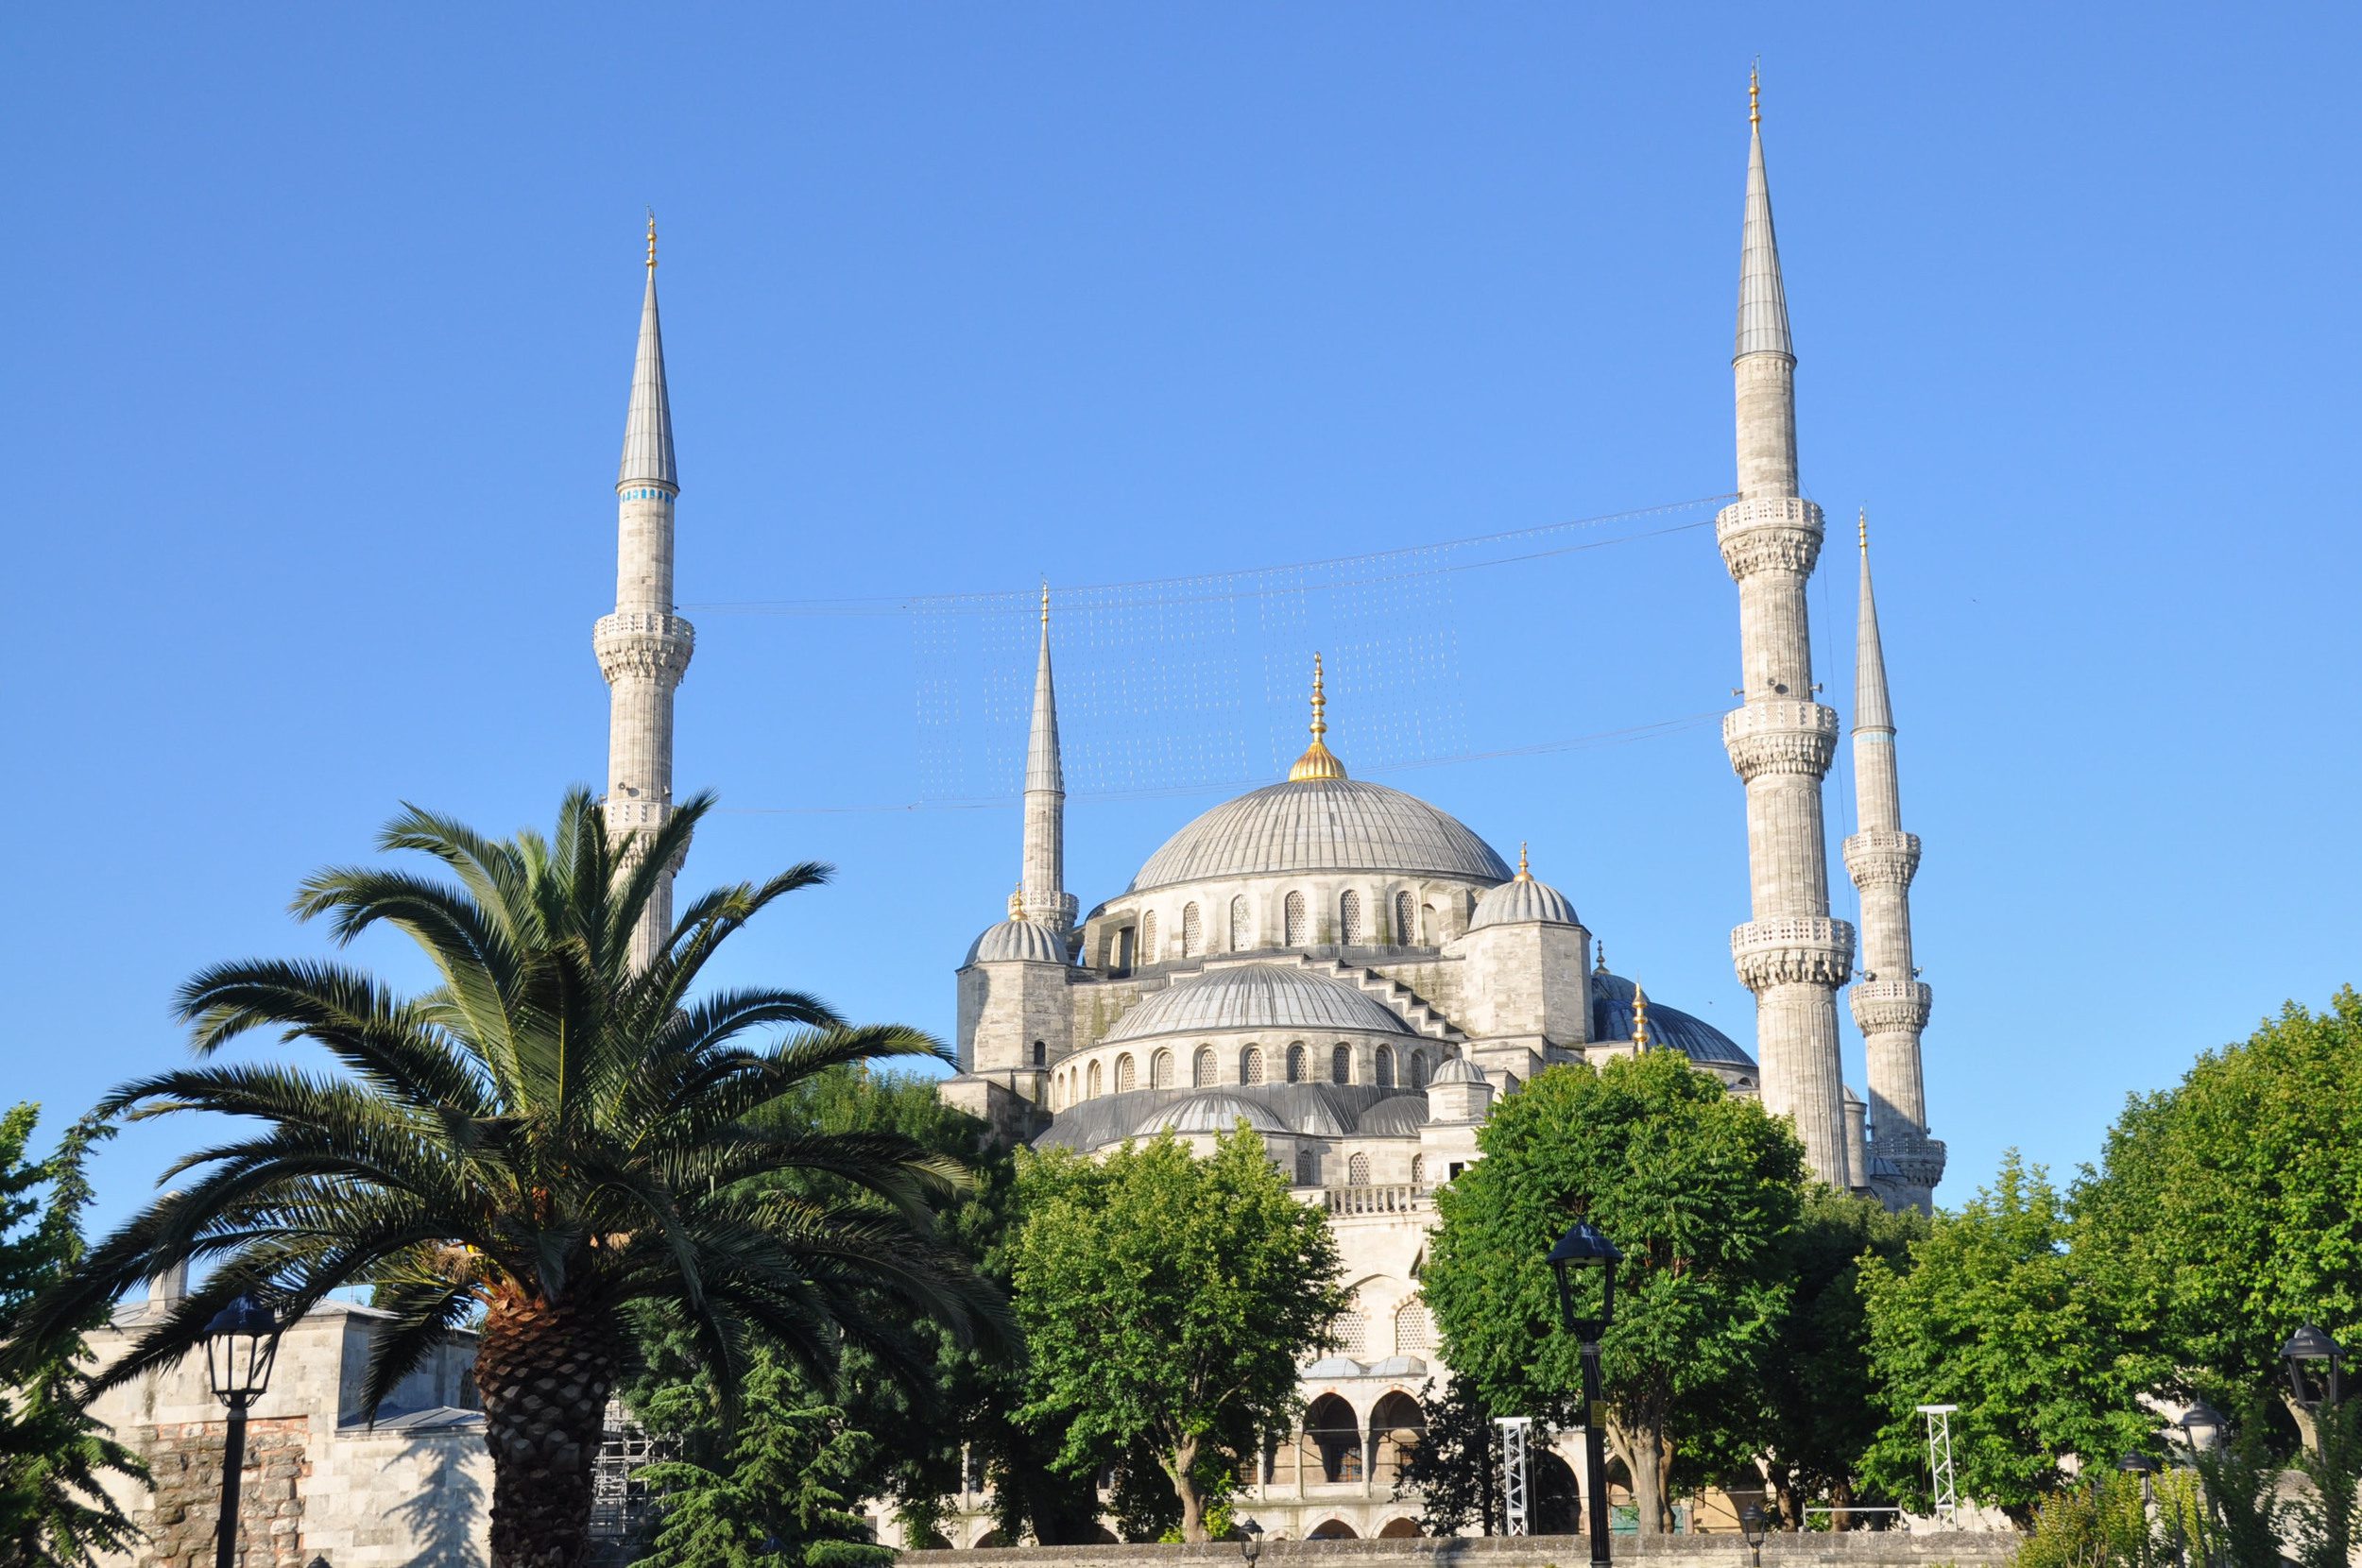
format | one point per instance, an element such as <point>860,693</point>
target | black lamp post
<point>1751,1526</point>
<point>2143,1466</point>
<point>2203,1425</point>
<point>1250,1541</point>
<point>241,1344</point>
<point>2315,1361</point>
<point>1581,1248</point>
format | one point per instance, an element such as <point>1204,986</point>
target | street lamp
<point>241,1344</point>
<point>2202,1425</point>
<point>1250,1541</point>
<point>1582,1247</point>
<point>1751,1526</point>
<point>2143,1466</point>
<point>2307,1352</point>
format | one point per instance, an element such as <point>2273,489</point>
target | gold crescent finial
<point>651,239</point>
<point>1318,762</point>
<point>1525,872</point>
<point>1754,92</point>
<point>1863,526</point>
<point>1640,1017</point>
<point>1016,904</point>
<point>1045,601</point>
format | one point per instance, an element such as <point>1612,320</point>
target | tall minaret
<point>644,646</point>
<point>1889,1003</point>
<point>1042,889</point>
<point>1780,742</point>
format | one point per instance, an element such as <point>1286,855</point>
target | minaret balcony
<point>641,642</point>
<point>1793,950</point>
<point>1884,1007</point>
<point>1768,534</point>
<point>1882,857</point>
<point>1780,736</point>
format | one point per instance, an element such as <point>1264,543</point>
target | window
<point>1148,937</point>
<point>1305,1170</point>
<point>1204,1076</point>
<point>1121,957</point>
<point>1294,923</point>
<point>1358,1171</point>
<point>1385,1065</point>
<point>1251,1065</point>
<point>1192,932</point>
<point>1341,1064</point>
<point>1349,919</point>
<point>1295,1063</point>
<point>1237,924</point>
<point>1160,1070</point>
<point>1418,1170</point>
<point>1352,1333</point>
<point>1125,1079</point>
<point>1041,1053</point>
<point>1411,1328</point>
<point>1419,1069</point>
<point>1406,920</point>
<point>1093,1091</point>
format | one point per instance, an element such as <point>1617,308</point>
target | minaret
<point>644,647</point>
<point>1780,742</point>
<point>1041,895</point>
<point>1889,1003</point>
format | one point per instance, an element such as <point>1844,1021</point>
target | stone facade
<point>1861,1548</point>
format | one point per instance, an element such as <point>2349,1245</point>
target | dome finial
<point>651,239</point>
<point>1525,871</point>
<point>1862,529</point>
<point>1601,965</point>
<point>1045,601</point>
<point>1754,92</point>
<point>1639,1018</point>
<point>1016,904</point>
<point>1318,762</point>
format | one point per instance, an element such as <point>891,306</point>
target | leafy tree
<point>1699,1189</point>
<point>548,1136</point>
<point>55,1459</point>
<point>1454,1471</point>
<point>2224,1210</point>
<point>1819,1411</point>
<point>2325,1519</point>
<point>1167,1301</point>
<point>1997,1315</point>
<point>782,1485</point>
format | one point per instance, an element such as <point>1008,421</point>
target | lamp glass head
<point>241,1344</point>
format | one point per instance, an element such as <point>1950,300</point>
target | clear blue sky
<point>324,320</point>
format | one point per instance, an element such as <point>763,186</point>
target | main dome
<point>1257,997</point>
<point>1320,825</point>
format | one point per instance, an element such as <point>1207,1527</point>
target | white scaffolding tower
<point>1513,1431</point>
<point>1939,1463</point>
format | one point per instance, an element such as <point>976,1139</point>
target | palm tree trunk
<point>545,1369</point>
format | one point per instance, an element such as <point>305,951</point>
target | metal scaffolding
<point>1939,1463</point>
<point>1513,1432</point>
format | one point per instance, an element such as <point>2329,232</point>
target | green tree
<point>546,1138</point>
<point>1455,1469</point>
<point>2227,1210</point>
<point>1819,1413</point>
<point>1167,1301</point>
<point>55,1459</point>
<point>1995,1313</point>
<point>1699,1189</point>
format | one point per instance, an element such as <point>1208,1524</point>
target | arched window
<point>1349,919</point>
<point>1160,1070</point>
<point>1352,1333</point>
<point>1385,1065</point>
<point>1093,1091</point>
<point>1406,920</point>
<point>1295,1063</point>
<point>1041,1053</point>
<point>1148,937</point>
<point>1410,1331</point>
<point>1294,923</point>
<point>1192,932</point>
<point>1205,1073</point>
<point>1341,1064</point>
<point>1418,1170</point>
<point>1305,1170</point>
<point>1358,1171</point>
<point>1420,1071</point>
<point>1237,924</point>
<point>1126,1077</point>
<point>1251,1065</point>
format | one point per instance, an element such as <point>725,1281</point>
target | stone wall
<point>182,1519</point>
<point>1854,1549</point>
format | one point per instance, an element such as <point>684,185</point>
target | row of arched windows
<point>1089,1081</point>
<point>1296,925</point>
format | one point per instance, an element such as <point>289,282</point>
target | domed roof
<point>1320,825</point>
<point>1214,1112</point>
<point>1521,901</point>
<point>1257,997</point>
<point>1025,939</point>
<point>1401,1116</point>
<point>1611,1019</point>
<point>1458,1069</point>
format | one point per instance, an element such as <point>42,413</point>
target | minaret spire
<point>644,647</point>
<point>1889,1001</point>
<point>1780,742</point>
<point>1043,892</point>
<point>1318,762</point>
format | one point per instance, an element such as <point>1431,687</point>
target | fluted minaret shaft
<point>1780,742</point>
<point>1041,889</point>
<point>644,647</point>
<point>1889,1003</point>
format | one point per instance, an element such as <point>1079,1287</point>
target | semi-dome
<point>1521,901</point>
<point>1215,1113</point>
<point>1611,1019</point>
<point>1320,825</point>
<point>1027,941</point>
<point>1257,997</point>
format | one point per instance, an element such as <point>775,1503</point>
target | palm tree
<point>547,1138</point>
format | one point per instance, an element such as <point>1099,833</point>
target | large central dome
<point>1320,825</point>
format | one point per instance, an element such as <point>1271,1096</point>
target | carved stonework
<point>1780,737</point>
<point>1793,950</point>
<point>1880,1006</point>
<point>655,646</point>
<point>1056,910</point>
<point>1778,534</point>
<point>1882,857</point>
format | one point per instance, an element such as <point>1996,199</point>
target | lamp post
<point>241,1344</point>
<point>1751,1526</point>
<point>1250,1541</point>
<point>2202,1426</point>
<point>2310,1353</point>
<point>1583,1247</point>
<point>2143,1466</point>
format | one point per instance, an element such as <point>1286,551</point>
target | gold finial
<point>1045,601</point>
<point>1601,965</point>
<point>1754,94</point>
<point>1525,872</point>
<point>1863,526</point>
<point>651,239</point>
<point>1640,1017</point>
<point>1318,762</point>
<point>1016,904</point>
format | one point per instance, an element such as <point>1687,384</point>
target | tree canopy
<point>1699,1189</point>
<point>1167,1301</point>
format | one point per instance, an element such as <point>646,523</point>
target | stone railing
<point>1388,1198</point>
<point>1792,949</point>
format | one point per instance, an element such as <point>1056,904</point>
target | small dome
<point>1260,996</point>
<point>1018,941</point>
<point>1401,1116</point>
<point>1522,901</point>
<point>1214,1112</point>
<point>1458,1069</point>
